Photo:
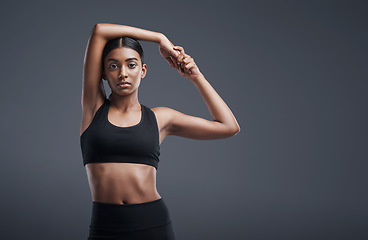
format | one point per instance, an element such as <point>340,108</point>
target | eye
<point>132,65</point>
<point>112,65</point>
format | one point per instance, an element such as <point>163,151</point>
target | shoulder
<point>162,112</point>
<point>171,118</point>
<point>164,116</point>
<point>160,109</point>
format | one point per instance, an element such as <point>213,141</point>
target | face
<point>123,65</point>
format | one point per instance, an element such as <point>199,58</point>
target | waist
<point>122,183</point>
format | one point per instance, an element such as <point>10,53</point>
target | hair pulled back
<point>122,42</point>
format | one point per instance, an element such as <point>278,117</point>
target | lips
<point>123,83</point>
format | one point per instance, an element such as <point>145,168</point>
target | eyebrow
<point>112,59</point>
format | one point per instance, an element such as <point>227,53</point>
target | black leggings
<point>146,221</point>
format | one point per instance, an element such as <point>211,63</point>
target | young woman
<point>120,137</point>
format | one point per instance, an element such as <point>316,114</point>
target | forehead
<point>123,53</point>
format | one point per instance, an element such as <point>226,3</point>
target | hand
<point>167,51</point>
<point>185,64</point>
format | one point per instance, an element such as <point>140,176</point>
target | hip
<point>147,220</point>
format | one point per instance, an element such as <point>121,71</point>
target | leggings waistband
<point>124,217</point>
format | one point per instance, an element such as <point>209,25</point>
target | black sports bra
<point>104,142</point>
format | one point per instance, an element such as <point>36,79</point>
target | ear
<point>144,70</point>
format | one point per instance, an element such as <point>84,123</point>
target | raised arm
<point>110,31</point>
<point>223,124</point>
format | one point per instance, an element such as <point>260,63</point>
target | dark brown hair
<point>122,42</point>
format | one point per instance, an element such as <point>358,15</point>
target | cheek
<point>136,72</point>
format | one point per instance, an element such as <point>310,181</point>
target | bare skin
<point>131,183</point>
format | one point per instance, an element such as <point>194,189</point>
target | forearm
<point>110,31</point>
<point>219,110</point>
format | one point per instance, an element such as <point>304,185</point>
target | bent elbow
<point>97,27</point>
<point>235,131</point>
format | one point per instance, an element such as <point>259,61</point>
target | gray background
<point>294,73</point>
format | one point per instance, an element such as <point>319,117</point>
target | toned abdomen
<point>122,183</point>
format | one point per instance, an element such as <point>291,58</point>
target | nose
<point>123,73</point>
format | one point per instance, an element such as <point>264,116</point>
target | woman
<point>120,137</point>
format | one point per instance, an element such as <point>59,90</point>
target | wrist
<point>198,78</point>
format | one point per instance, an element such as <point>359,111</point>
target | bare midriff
<point>122,183</point>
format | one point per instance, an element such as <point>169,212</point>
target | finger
<point>174,61</point>
<point>180,58</point>
<point>184,61</point>
<point>187,59</point>
<point>184,56</point>
<point>180,68</point>
<point>174,52</point>
<point>182,64</point>
<point>171,63</point>
<point>178,47</point>
<point>190,65</point>
<point>181,49</point>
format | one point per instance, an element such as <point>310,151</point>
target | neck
<point>125,103</point>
